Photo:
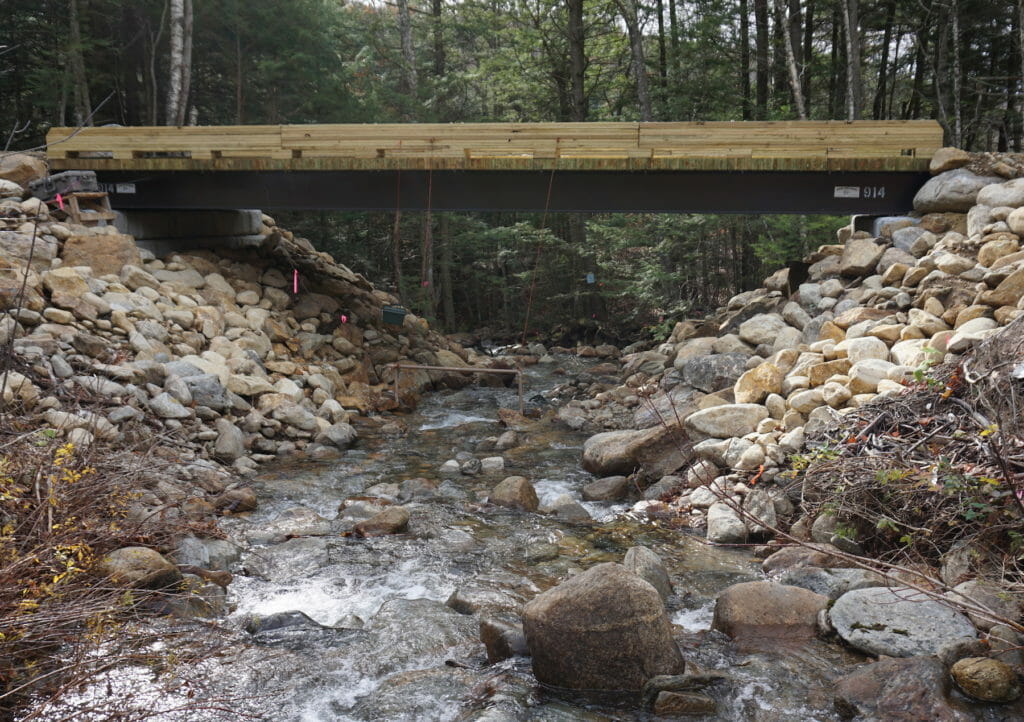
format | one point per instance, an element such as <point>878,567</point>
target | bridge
<point>839,167</point>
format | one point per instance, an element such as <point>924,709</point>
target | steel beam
<point>840,192</point>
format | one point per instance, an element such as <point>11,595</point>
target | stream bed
<point>323,626</point>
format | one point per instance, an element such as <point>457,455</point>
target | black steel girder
<point>840,192</point>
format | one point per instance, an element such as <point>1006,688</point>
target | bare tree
<point>794,71</point>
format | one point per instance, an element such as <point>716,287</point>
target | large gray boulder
<point>604,629</point>
<point>897,622</point>
<point>953,191</point>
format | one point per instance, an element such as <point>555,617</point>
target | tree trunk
<point>408,81</point>
<point>913,109</point>
<point>761,32</point>
<point>794,71</point>
<point>631,16</point>
<point>80,85</point>
<point>154,86</point>
<point>745,58</point>
<point>808,54</point>
<point>437,7</point>
<point>878,109</point>
<point>577,61</point>
<point>854,81</point>
<point>1020,50</point>
<point>958,123</point>
<point>662,61</point>
<point>175,60</point>
<point>835,65</point>
<point>186,66</point>
<point>673,38</point>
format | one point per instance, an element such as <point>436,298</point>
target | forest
<point>157,62</point>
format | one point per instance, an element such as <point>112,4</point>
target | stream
<point>378,638</point>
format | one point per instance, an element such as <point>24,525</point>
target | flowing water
<point>378,641</point>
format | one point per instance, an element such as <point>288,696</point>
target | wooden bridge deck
<point>813,146</point>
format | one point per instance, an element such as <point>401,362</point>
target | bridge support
<point>837,192</point>
<point>166,231</point>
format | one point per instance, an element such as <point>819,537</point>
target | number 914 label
<point>859,192</point>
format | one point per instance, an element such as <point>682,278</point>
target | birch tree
<point>180,61</point>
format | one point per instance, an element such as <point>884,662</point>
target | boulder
<point>166,406</point>
<point>757,383</point>
<point>712,372</point>
<point>988,680</point>
<point>515,492</point>
<point>610,488</point>
<point>897,622</point>
<point>19,248</point>
<point>612,452</point>
<point>898,690</point>
<point>236,501</point>
<point>340,436</point>
<point>230,443</point>
<point>648,566</point>
<point>768,610</point>
<point>952,191</point>
<point>392,520</point>
<point>1010,193</point>
<point>603,629</point>
<point>1016,221</point>
<point>106,254</point>
<point>140,568</point>
<point>860,257</point>
<point>724,525</point>
<point>948,159</point>
<point>726,420</point>
<point>21,168</point>
<point>762,328</point>
<point>502,639</point>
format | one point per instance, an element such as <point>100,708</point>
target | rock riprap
<point>604,629</point>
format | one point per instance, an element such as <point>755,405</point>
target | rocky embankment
<point>209,355</point>
<point>715,415</point>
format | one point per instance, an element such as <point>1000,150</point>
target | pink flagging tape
<point>60,201</point>
<point>295,281</point>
